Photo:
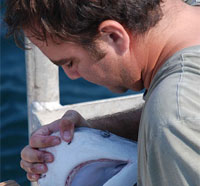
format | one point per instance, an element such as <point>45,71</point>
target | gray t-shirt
<point>169,134</point>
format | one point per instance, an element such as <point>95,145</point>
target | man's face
<point>77,62</point>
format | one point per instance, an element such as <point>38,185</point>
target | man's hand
<point>33,160</point>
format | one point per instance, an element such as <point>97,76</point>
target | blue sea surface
<point>13,106</point>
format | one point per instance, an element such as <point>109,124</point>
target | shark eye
<point>105,134</point>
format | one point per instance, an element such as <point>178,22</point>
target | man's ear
<point>115,35</point>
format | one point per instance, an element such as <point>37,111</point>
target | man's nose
<point>72,74</point>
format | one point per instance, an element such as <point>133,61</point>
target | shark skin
<point>93,158</point>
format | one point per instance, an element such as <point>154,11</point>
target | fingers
<point>48,129</point>
<point>33,162</point>
<point>39,141</point>
<point>34,171</point>
<point>31,168</point>
<point>68,123</point>
<point>35,156</point>
<point>42,139</point>
<point>33,177</point>
<point>66,130</point>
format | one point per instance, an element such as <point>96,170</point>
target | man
<point>124,44</point>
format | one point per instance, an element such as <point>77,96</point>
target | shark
<point>93,158</point>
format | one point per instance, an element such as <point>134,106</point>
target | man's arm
<point>125,124</point>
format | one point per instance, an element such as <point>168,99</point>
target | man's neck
<point>178,29</point>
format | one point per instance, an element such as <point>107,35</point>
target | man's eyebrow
<point>60,62</point>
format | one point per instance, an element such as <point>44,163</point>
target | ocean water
<point>13,106</point>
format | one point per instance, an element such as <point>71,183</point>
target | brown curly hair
<point>78,20</point>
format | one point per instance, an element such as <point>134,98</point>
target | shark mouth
<point>94,172</point>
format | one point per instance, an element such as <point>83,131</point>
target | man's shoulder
<point>169,74</point>
<point>175,92</point>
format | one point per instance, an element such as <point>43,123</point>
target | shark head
<point>94,158</point>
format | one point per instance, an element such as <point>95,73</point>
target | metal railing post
<point>42,83</point>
